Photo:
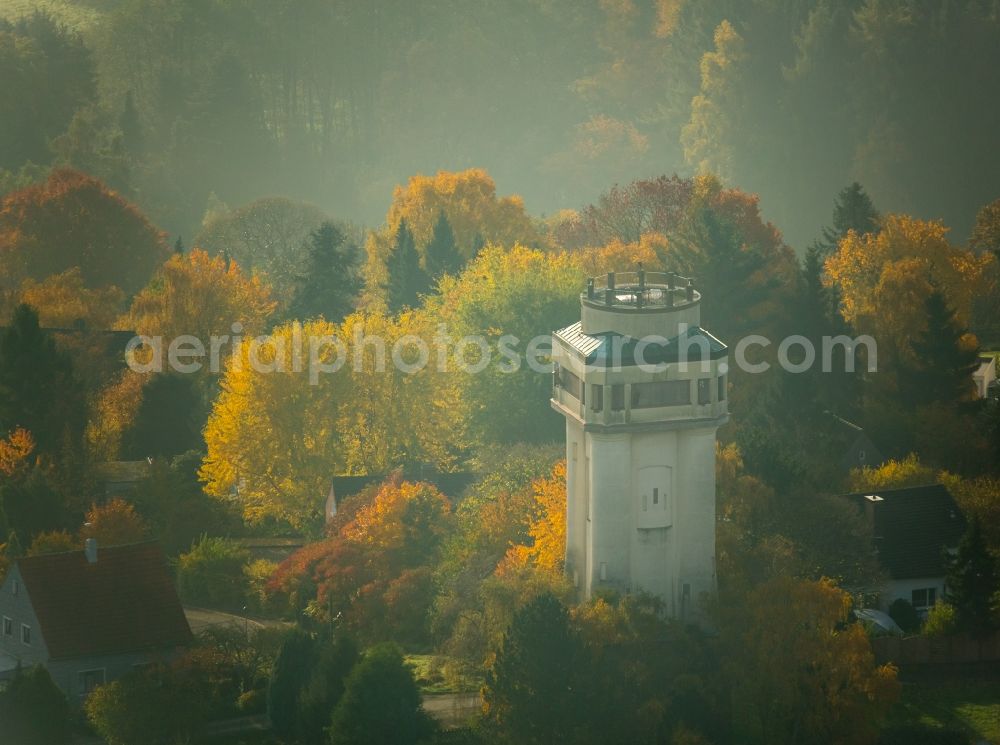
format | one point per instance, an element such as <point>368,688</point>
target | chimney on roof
<point>90,550</point>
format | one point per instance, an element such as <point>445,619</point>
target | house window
<point>15,586</point>
<point>618,397</point>
<point>90,679</point>
<point>8,626</point>
<point>665,393</point>
<point>26,634</point>
<point>704,391</point>
<point>923,598</point>
<point>722,387</point>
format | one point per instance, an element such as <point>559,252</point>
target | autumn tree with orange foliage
<point>883,279</point>
<point>15,449</point>
<point>276,438</point>
<point>547,534</point>
<point>114,523</point>
<point>29,501</point>
<point>112,412</point>
<point>74,220</point>
<point>469,202</point>
<point>800,671</point>
<point>202,295</point>
<point>64,301</point>
<point>374,571</point>
<point>192,293</point>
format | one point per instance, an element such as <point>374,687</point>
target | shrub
<point>33,711</point>
<point>325,687</point>
<point>942,620</point>
<point>291,672</point>
<point>211,574</point>
<point>903,613</point>
<point>252,702</point>
<point>381,704</point>
<point>154,704</point>
<point>114,523</point>
<point>53,542</point>
<point>258,574</point>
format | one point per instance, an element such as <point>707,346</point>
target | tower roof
<point>601,350</point>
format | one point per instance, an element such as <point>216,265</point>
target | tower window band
<point>597,398</point>
<point>662,393</point>
<point>618,397</point>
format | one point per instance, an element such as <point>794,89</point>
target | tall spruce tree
<point>942,371</point>
<point>730,272</point>
<point>441,255</point>
<point>852,210</point>
<point>331,281</point>
<point>407,279</point>
<point>38,389</point>
<point>292,669</point>
<point>973,582</point>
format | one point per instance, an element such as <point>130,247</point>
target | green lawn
<point>968,704</point>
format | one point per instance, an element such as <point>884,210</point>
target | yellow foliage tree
<point>469,201</point>
<point>617,255</point>
<point>799,673</point>
<point>893,474</point>
<point>271,437</point>
<point>112,413</point>
<point>395,414</point>
<point>200,295</point>
<point>53,542</point>
<point>508,297</point>
<point>63,301</point>
<point>884,277</point>
<point>708,136</point>
<point>282,427</point>
<point>547,533</point>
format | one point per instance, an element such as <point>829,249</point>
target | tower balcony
<point>639,304</point>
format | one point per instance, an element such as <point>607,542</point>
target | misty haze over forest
<point>335,102</point>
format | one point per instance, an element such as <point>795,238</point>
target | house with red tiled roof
<point>90,616</point>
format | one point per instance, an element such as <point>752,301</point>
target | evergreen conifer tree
<point>330,283</point>
<point>852,210</point>
<point>973,583</point>
<point>441,255</point>
<point>407,280</point>
<point>38,390</point>
<point>942,371</point>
